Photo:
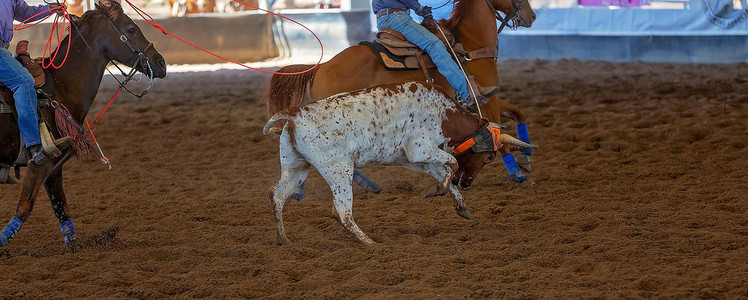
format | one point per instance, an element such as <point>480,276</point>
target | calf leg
<point>338,175</point>
<point>294,170</point>
<point>420,151</point>
<point>439,171</point>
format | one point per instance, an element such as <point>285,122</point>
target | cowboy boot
<point>482,94</point>
<point>485,91</point>
<point>38,155</point>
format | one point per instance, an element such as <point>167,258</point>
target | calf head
<point>478,150</point>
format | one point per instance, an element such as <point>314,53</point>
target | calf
<point>413,125</point>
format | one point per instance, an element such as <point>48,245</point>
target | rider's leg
<point>417,34</point>
<point>20,81</point>
<point>15,76</point>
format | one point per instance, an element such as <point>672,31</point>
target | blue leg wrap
<point>300,196</point>
<point>10,231</point>
<point>513,169</point>
<point>68,232</point>
<point>524,135</point>
<point>364,182</point>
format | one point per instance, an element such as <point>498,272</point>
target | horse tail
<point>277,117</point>
<point>286,91</point>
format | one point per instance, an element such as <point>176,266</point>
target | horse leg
<point>35,175</point>
<point>364,183</point>
<point>525,157</point>
<point>493,111</point>
<point>515,172</point>
<point>56,194</point>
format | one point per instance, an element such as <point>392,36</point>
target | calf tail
<point>277,117</point>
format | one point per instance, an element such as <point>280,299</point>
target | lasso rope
<point>55,29</point>
<point>153,23</point>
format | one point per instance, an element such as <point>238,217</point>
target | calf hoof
<point>463,212</point>
<point>432,191</point>
<point>283,240</point>
<point>524,162</point>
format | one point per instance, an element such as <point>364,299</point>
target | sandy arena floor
<point>641,192</point>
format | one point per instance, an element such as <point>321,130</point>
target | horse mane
<point>457,14</point>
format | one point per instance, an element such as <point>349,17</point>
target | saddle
<point>40,74</point>
<point>396,53</point>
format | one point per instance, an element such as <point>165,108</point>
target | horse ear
<point>109,7</point>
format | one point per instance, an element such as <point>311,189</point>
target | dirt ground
<point>641,184</point>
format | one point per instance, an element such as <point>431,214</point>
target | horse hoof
<point>518,177</point>
<point>463,212</point>
<point>299,196</point>
<point>366,184</point>
<point>4,240</point>
<point>525,162</point>
<point>74,247</point>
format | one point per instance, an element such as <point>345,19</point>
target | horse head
<point>518,11</point>
<point>124,42</point>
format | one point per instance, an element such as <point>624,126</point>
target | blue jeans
<point>20,81</point>
<point>415,33</point>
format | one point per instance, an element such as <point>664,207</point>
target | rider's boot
<point>39,156</point>
<point>485,91</point>
<point>483,94</point>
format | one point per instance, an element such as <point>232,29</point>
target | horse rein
<point>513,16</point>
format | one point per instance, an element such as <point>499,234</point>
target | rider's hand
<point>59,12</point>
<point>426,13</point>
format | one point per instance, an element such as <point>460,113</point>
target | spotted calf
<point>414,125</point>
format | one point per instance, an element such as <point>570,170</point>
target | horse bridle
<point>513,16</point>
<point>142,59</point>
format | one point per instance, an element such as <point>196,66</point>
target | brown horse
<point>357,67</point>
<point>98,37</point>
